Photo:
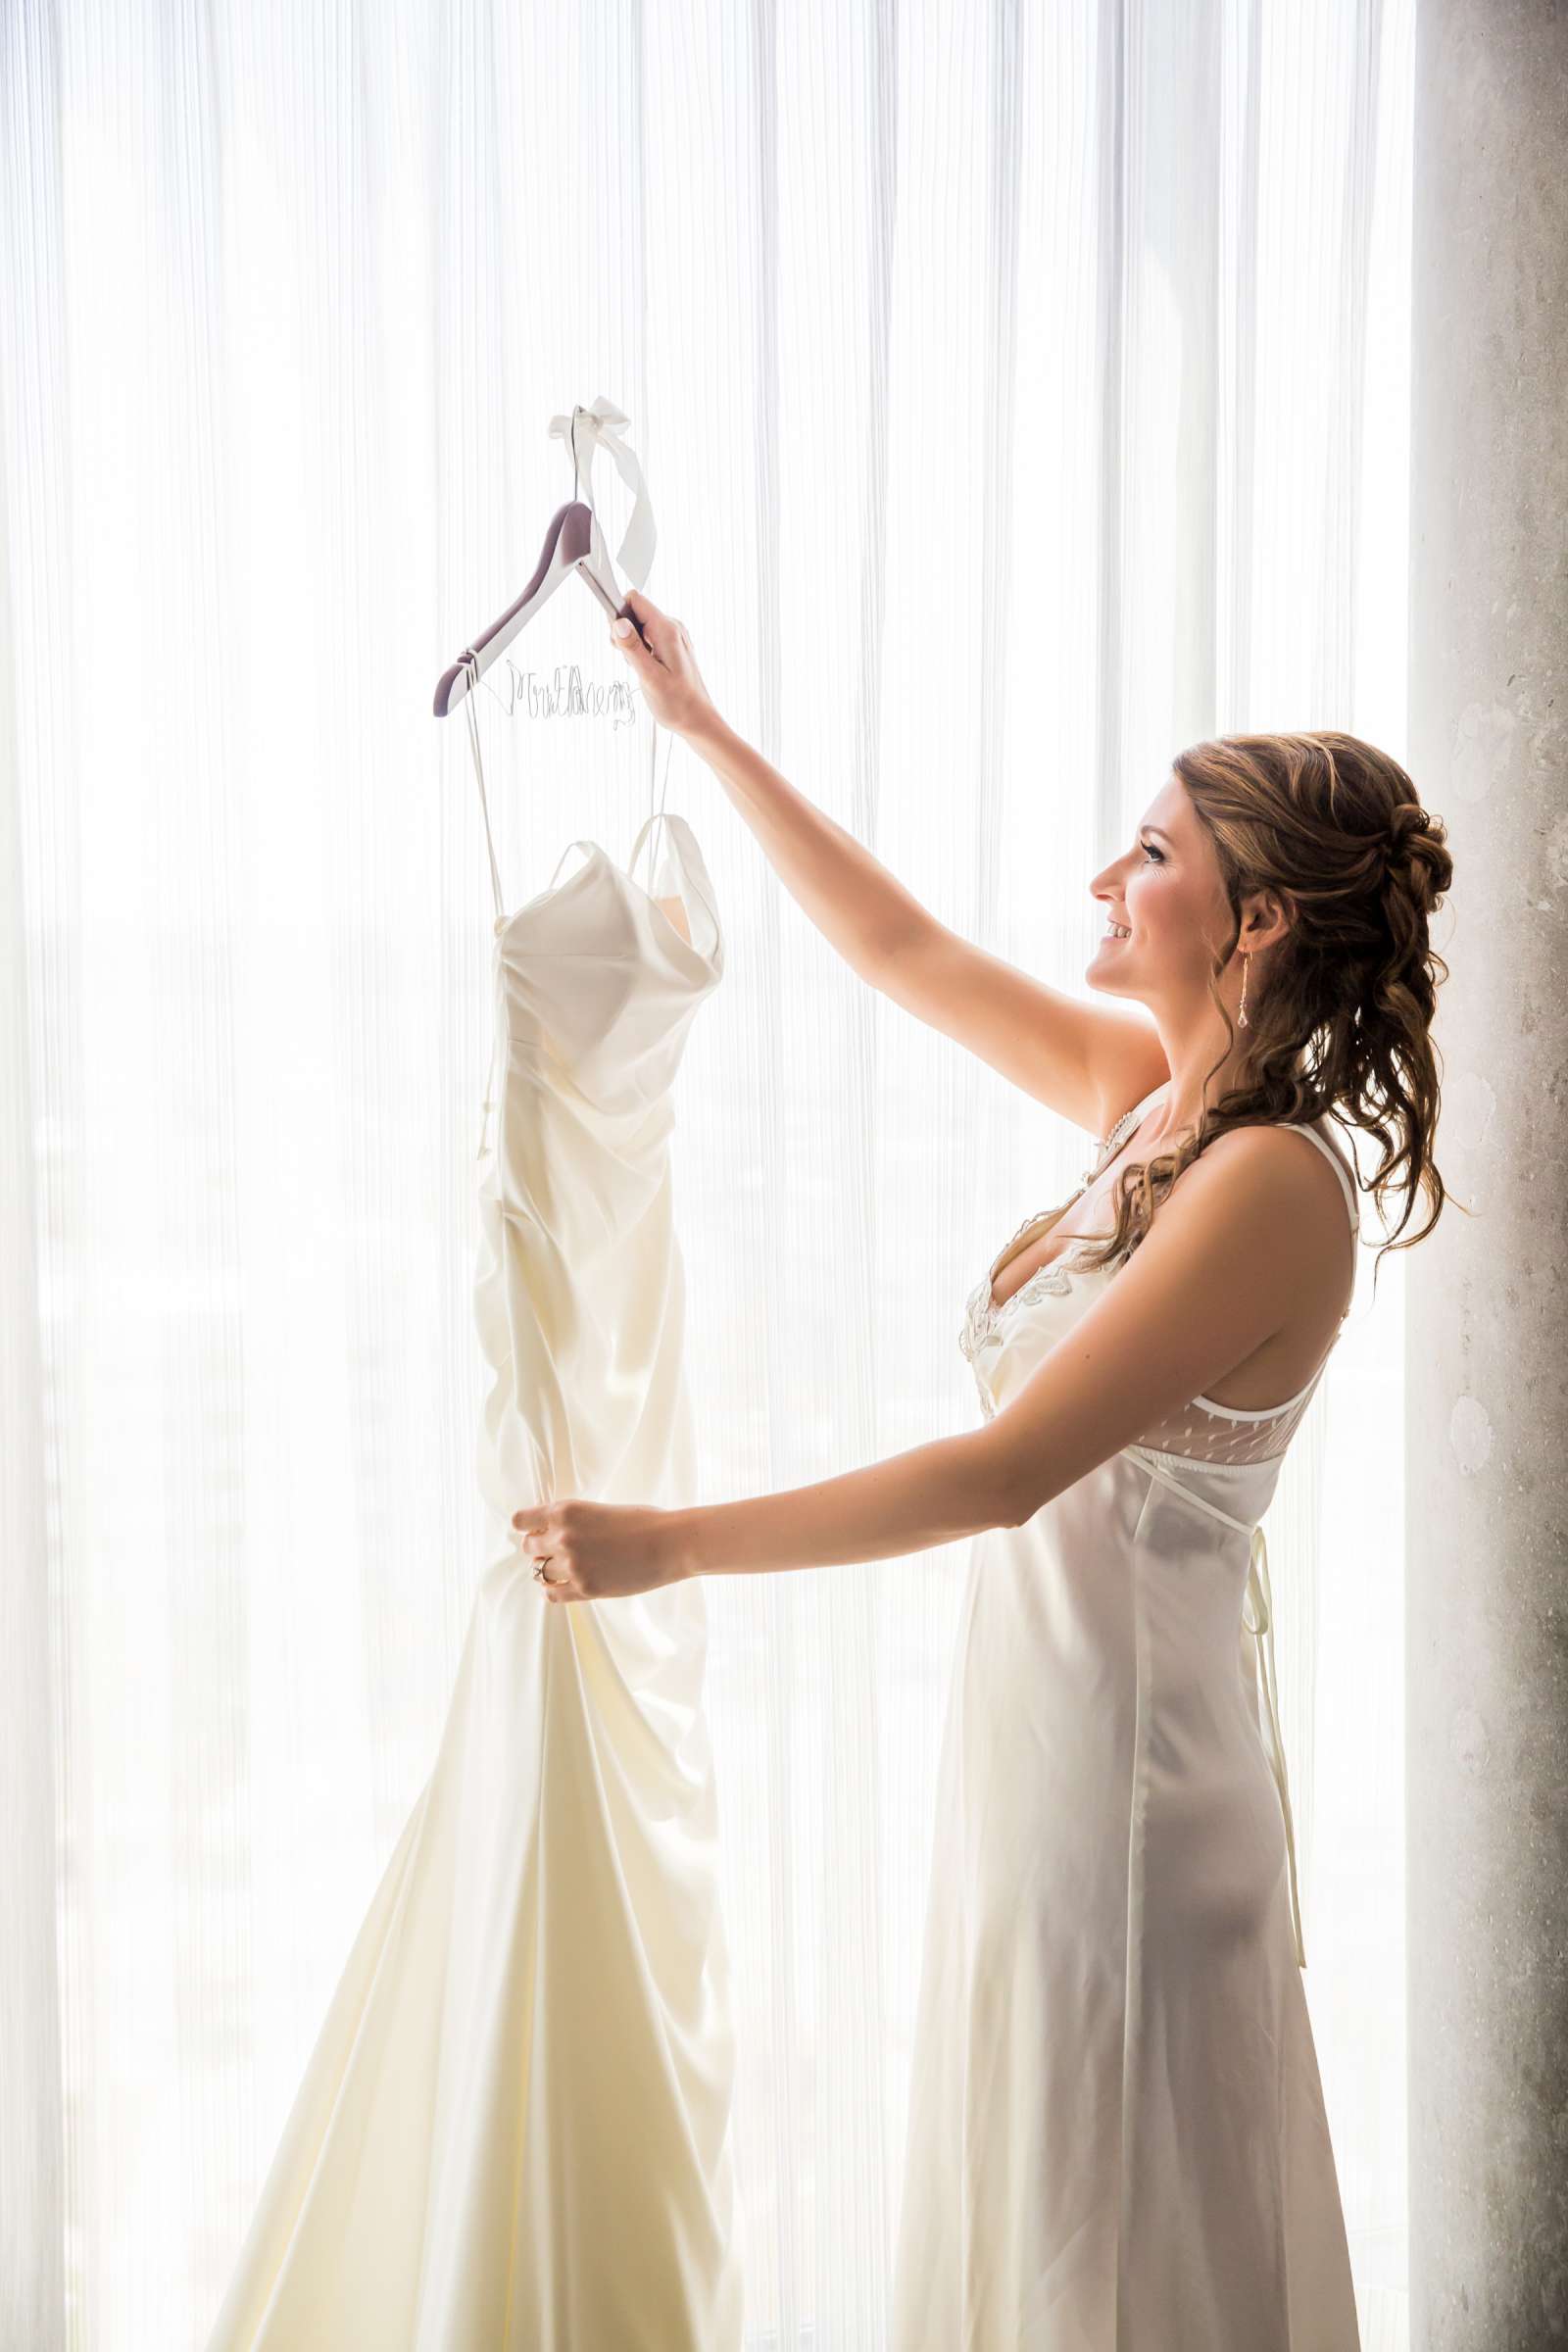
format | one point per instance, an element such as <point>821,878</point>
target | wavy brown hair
<point>1339,1022</point>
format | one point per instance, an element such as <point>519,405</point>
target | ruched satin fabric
<point>513,2133</point>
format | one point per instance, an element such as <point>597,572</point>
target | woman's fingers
<point>665,664</point>
<point>657,627</point>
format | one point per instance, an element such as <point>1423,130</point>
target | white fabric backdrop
<point>1022,393</point>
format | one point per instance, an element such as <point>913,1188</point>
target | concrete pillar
<point>1487,1451</point>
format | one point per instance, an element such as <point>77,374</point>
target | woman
<point>1117,2128</point>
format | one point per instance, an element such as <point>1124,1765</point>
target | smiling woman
<point>1112,1726</point>
<point>1112,2029</point>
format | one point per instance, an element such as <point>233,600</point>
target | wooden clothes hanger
<point>574,544</point>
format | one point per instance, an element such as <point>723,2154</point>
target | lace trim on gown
<point>1203,1431</point>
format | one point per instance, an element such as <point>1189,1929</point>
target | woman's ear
<point>1267,916</point>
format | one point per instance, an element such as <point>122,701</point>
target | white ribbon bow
<point>603,427</point>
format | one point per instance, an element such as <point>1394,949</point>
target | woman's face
<point>1166,889</point>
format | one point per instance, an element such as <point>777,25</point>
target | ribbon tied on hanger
<point>604,426</point>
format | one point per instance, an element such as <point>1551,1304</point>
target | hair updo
<point>1340,1011</point>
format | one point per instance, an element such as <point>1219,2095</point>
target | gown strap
<point>1347,1186</point>
<point>1109,1145</point>
<point>1258,1599</point>
<point>1128,1120</point>
<point>472,714</point>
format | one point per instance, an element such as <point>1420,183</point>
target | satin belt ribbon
<point>1260,1625</point>
<point>603,427</point>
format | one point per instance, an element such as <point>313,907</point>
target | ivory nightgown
<point>1117,2140</point>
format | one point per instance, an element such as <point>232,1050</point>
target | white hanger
<point>573,543</point>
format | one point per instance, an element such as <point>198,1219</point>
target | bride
<point>1118,2133</point>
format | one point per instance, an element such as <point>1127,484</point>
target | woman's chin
<point>1101,973</point>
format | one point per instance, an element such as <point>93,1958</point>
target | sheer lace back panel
<point>1207,1432</point>
<point>1202,1431</point>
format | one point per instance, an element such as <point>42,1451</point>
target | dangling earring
<point>1243,1021</point>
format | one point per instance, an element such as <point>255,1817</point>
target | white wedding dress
<point>1117,2138</point>
<point>513,2133</point>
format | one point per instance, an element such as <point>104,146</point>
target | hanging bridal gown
<point>513,2133</point>
<point>1117,2140</point>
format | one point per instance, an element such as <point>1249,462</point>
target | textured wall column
<point>1487,1581</point>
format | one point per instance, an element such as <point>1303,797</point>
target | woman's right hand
<point>665,667</point>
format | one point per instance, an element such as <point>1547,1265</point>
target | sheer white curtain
<point>1022,393</point>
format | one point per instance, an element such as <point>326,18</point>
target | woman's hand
<point>665,667</point>
<point>601,1550</point>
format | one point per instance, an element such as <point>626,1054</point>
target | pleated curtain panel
<point>1023,394</point>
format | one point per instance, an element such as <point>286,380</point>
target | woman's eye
<point>1150,851</point>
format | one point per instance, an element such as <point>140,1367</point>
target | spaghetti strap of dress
<point>472,714</point>
<point>1130,1118</point>
<point>1109,1145</point>
<point>1347,1186</point>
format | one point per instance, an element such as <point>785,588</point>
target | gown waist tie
<point>1258,1617</point>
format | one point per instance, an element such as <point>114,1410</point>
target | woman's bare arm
<point>1214,1277</point>
<point>1087,1062</point>
<point>857,904</point>
<point>859,908</point>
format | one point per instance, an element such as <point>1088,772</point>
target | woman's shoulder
<point>1297,1191</point>
<point>1298,1159</point>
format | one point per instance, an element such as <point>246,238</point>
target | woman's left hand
<point>600,1550</point>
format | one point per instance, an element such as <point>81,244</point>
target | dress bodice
<point>595,984</point>
<point>1002,1344</point>
<point>580,1293</point>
